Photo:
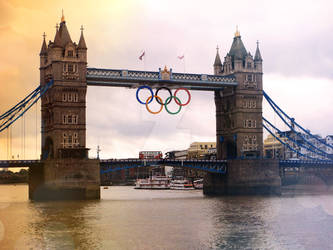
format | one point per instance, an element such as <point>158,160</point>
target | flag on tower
<point>180,57</point>
<point>142,55</point>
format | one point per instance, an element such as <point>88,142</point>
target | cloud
<point>295,42</point>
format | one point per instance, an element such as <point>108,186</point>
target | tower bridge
<point>65,172</point>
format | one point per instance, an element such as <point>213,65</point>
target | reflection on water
<point>165,219</point>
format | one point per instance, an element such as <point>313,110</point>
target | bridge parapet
<point>18,163</point>
<point>134,78</point>
<point>211,166</point>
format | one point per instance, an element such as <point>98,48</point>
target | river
<point>165,219</point>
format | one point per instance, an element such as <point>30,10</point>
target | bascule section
<point>67,173</point>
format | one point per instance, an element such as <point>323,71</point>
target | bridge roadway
<point>212,166</point>
<point>134,78</point>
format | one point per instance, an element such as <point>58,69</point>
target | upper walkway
<point>134,78</point>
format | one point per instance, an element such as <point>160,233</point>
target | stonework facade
<point>64,104</point>
<point>239,109</point>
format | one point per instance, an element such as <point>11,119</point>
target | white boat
<point>154,182</point>
<point>181,185</point>
<point>198,184</point>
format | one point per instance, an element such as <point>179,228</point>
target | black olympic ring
<point>170,93</point>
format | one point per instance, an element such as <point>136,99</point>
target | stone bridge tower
<point>66,173</point>
<point>239,132</point>
<point>64,105</point>
<point>239,109</point>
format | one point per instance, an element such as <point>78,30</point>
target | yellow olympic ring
<point>158,98</point>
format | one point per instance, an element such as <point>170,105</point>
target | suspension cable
<point>271,102</point>
<point>288,146</point>
<point>292,140</point>
<point>273,105</point>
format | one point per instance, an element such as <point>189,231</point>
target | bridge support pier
<point>65,179</point>
<point>245,177</point>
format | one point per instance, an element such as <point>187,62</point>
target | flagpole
<point>184,65</point>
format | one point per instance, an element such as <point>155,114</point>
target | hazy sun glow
<point>297,64</point>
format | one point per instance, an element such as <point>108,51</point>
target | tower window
<point>249,65</point>
<point>70,53</point>
<point>70,68</point>
<point>249,78</point>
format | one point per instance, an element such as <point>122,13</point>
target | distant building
<point>273,148</point>
<point>329,141</point>
<point>199,150</point>
<point>302,144</point>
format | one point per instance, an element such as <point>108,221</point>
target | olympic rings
<point>144,87</point>
<point>156,93</point>
<point>166,107</point>
<point>189,97</point>
<point>160,101</point>
<point>157,98</point>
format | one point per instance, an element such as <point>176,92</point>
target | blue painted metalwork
<point>287,145</point>
<point>13,114</point>
<point>295,141</point>
<point>134,78</point>
<point>278,110</point>
<point>18,163</point>
<point>211,166</point>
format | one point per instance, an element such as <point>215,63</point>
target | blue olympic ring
<point>144,87</point>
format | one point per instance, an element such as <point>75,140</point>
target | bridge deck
<point>134,78</point>
<point>212,166</point>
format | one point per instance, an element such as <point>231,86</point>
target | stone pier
<point>246,177</point>
<point>65,179</point>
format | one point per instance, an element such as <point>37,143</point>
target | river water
<point>168,219</point>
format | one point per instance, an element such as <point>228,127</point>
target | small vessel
<point>198,184</point>
<point>154,182</point>
<point>181,185</point>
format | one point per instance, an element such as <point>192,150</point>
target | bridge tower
<point>239,132</point>
<point>64,105</point>
<point>63,120</point>
<point>239,110</point>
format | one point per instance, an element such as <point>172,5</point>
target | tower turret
<point>258,59</point>
<point>217,62</point>
<point>82,47</point>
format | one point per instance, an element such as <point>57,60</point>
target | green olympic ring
<point>166,105</point>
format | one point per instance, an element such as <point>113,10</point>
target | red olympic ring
<point>189,96</point>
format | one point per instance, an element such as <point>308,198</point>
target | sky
<point>295,41</point>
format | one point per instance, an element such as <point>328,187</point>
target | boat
<point>154,182</point>
<point>181,185</point>
<point>198,184</point>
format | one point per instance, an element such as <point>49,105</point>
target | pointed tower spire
<point>257,56</point>
<point>62,16</point>
<point>217,58</point>
<point>237,33</point>
<point>57,40</point>
<point>63,32</point>
<point>43,50</point>
<point>82,42</point>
